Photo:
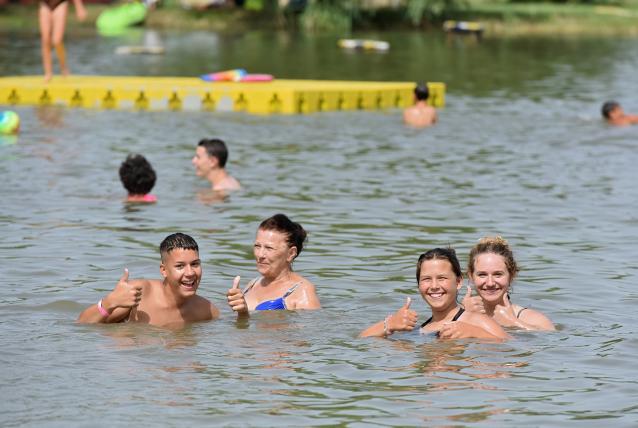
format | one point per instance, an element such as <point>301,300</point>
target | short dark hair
<point>421,91</point>
<point>215,148</point>
<point>177,241</point>
<point>608,107</point>
<point>295,233</point>
<point>440,254</point>
<point>137,175</point>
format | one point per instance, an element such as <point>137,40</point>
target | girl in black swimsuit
<point>439,277</point>
<point>52,19</point>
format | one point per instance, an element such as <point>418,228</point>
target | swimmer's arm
<point>92,315</point>
<point>375,330</point>
<point>486,327</point>
<point>119,302</point>
<point>402,320</point>
<point>534,320</point>
<point>306,297</point>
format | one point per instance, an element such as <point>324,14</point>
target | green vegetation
<point>343,16</point>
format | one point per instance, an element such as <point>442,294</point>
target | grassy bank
<point>553,18</point>
<point>498,17</point>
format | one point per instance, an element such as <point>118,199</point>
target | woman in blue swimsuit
<point>278,242</point>
<point>439,277</point>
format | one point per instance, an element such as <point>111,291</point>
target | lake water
<point>520,151</point>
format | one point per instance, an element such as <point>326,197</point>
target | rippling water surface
<point>520,151</point>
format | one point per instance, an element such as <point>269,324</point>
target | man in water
<point>420,114</point>
<point>210,163</point>
<point>171,302</point>
<point>615,115</point>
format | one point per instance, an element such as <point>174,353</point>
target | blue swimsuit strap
<point>278,303</point>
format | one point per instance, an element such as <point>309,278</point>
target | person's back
<point>420,114</point>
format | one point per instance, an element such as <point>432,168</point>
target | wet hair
<point>215,148</point>
<point>177,241</point>
<point>440,254</point>
<point>495,245</point>
<point>421,91</point>
<point>608,107</point>
<point>295,233</point>
<point>137,175</point>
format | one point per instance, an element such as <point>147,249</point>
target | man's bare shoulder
<point>145,282</point>
<point>204,308</point>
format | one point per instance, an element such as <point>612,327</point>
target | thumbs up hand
<point>125,294</point>
<point>473,303</point>
<point>402,320</point>
<point>506,310</point>
<point>236,299</point>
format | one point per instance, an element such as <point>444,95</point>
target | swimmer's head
<point>294,232</point>
<point>440,254</point>
<point>177,241</point>
<point>137,175</point>
<point>608,108</point>
<point>494,245</point>
<point>421,91</point>
<point>215,148</point>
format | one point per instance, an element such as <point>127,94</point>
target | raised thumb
<point>236,282</point>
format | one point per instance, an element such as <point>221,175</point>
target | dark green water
<point>520,151</point>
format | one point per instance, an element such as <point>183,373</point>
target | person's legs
<point>45,18</point>
<point>59,22</point>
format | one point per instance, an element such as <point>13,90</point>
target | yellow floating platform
<point>186,93</point>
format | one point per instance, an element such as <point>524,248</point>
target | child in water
<point>52,19</point>
<point>138,177</point>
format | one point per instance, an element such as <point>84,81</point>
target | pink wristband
<point>100,308</point>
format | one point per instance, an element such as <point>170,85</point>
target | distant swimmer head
<point>215,148</point>
<point>421,92</point>
<point>608,109</point>
<point>137,175</point>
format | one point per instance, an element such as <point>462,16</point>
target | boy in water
<point>171,302</point>
<point>210,163</point>
<point>420,114</point>
<point>138,178</point>
<point>615,115</point>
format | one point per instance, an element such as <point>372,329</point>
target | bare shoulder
<point>144,283</point>
<point>536,319</point>
<point>305,296</point>
<point>204,308</point>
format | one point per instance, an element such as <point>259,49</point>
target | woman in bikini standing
<point>52,18</point>
<point>492,270</point>
<point>278,242</point>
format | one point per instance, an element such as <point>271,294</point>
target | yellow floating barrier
<point>187,93</point>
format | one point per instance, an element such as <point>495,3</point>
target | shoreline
<point>499,20</point>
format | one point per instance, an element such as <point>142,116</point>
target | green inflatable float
<point>121,16</point>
